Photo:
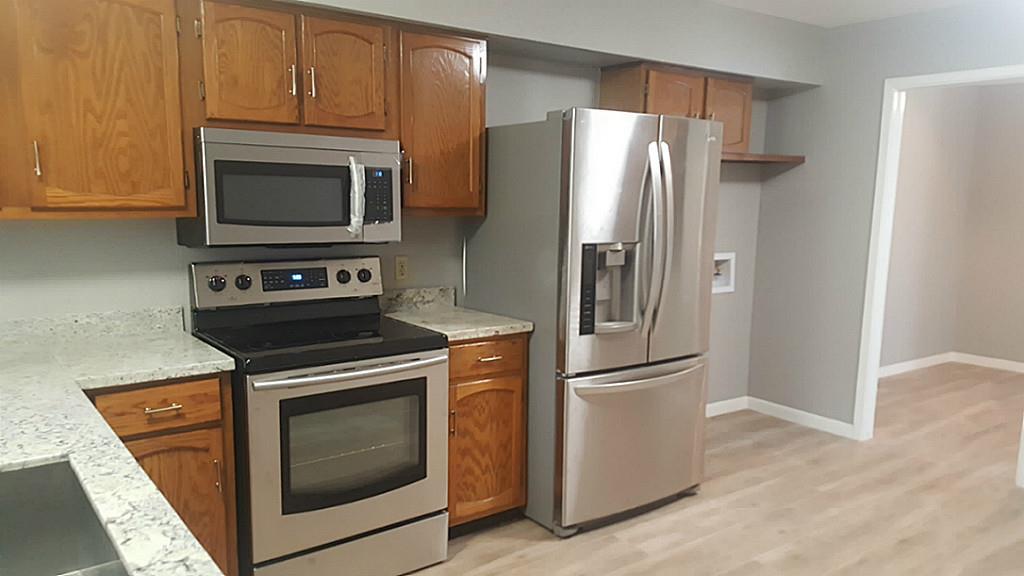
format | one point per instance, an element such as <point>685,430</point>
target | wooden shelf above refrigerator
<point>763,159</point>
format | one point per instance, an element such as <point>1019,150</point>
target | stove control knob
<point>364,275</point>
<point>243,282</point>
<point>216,283</point>
<point>344,276</point>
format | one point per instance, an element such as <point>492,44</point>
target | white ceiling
<point>832,13</point>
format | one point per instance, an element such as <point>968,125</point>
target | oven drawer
<point>486,357</point>
<point>159,408</point>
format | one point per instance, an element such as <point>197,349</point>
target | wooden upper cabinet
<point>189,469</point>
<point>675,94</point>
<point>443,122</point>
<point>102,111</point>
<point>486,450</point>
<point>661,89</point>
<point>730,103</point>
<point>250,65</point>
<point>345,73</point>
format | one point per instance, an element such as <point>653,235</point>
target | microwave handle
<point>358,197</point>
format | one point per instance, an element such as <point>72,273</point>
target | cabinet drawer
<point>487,357</point>
<point>161,407</point>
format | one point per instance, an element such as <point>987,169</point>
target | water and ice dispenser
<point>609,288</point>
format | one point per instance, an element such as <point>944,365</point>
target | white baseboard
<point>961,357</point>
<point>916,364</point>
<point>839,428</point>
<point>728,406</point>
<point>782,413</point>
<point>988,362</point>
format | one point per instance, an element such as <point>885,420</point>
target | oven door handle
<point>345,375</point>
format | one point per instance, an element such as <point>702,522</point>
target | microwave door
<point>267,195</point>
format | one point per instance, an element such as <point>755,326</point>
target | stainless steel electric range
<point>340,415</point>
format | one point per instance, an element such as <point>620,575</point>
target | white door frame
<point>880,248</point>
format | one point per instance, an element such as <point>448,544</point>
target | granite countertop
<point>45,417</point>
<point>435,309</point>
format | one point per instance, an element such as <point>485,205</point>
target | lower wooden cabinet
<point>487,431</point>
<point>181,435</point>
<point>188,467</point>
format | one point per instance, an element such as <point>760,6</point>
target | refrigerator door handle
<point>642,384</point>
<point>670,222</point>
<point>657,265</point>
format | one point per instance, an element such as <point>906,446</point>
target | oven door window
<point>270,194</point>
<point>343,446</point>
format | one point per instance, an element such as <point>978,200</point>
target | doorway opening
<point>880,258</point>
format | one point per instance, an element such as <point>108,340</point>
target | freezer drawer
<point>631,438</point>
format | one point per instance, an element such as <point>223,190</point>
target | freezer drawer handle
<point>589,389</point>
<point>345,375</point>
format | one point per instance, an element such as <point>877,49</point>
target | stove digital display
<point>293,279</point>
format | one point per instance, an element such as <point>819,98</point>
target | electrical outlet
<point>401,268</point>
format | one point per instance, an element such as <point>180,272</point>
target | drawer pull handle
<point>490,358</point>
<point>174,407</point>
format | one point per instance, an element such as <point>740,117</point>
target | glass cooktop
<point>316,342</point>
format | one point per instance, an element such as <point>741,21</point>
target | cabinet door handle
<point>174,407</point>
<point>312,81</point>
<point>409,160</point>
<point>295,81</point>
<point>711,116</point>
<point>38,170</point>
<point>451,422</point>
<point>491,358</point>
<point>218,483</point>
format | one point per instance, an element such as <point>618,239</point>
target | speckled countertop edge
<point>435,309</point>
<point>45,417</point>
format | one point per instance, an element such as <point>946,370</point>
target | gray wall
<point>693,32</point>
<point>50,268</point>
<point>992,282</point>
<point>935,180</point>
<point>815,221</point>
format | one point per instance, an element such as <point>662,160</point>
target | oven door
<point>344,450</point>
<point>282,195</point>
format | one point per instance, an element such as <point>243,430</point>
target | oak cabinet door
<point>486,448</point>
<point>675,94</point>
<point>99,80</point>
<point>443,122</point>
<point>187,467</point>
<point>730,103</point>
<point>345,73</point>
<point>250,66</point>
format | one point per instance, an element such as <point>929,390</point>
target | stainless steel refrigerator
<point>600,230</point>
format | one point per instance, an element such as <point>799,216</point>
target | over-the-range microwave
<point>275,188</point>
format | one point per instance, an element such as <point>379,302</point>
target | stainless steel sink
<point>49,528</point>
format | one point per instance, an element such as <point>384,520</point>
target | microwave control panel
<point>378,195</point>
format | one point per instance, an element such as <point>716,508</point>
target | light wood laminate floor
<point>932,494</point>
